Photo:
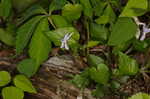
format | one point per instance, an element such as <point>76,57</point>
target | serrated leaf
<point>56,5</point>
<point>87,8</point>
<point>5,78</point>
<point>23,83</point>
<point>25,32</point>
<point>32,11</point>
<point>40,45</point>
<point>6,37</point>
<point>100,74</point>
<point>12,92</point>
<point>27,67</point>
<point>6,8</point>
<point>72,11</point>
<point>57,35</point>
<point>140,96</point>
<point>127,65</point>
<point>98,32</point>
<point>60,21</point>
<point>94,60</point>
<point>135,8</point>
<point>123,31</point>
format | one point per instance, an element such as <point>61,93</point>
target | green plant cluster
<point>140,96</point>
<point>107,80</point>
<point>15,89</point>
<point>38,26</point>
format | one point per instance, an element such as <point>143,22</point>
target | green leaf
<point>99,91</point>
<point>101,74</point>
<point>22,5</point>
<point>32,11</point>
<point>140,45</point>
<point>148,5</point>
<point>104,19</point>
<point>57,35</point>
<point>80,81</point>
<point>115,72</point>
<point>92,44</point>
<point>87,8</point>
<point>94,60</point>
<point>107,17</point>
<point>27,67</point>
<point>56,5</point>
<point>127,65</point>
<point>6,8</point>
<point>98,6</point>
<point>40,45</point>
<point>122,47</point>
<point>115,85</point>
<point>23,83</point>
<point>12,92</point>
<point>1,10</point>
<point>98,32</point>
<point>124,30</point>
<point>123,79</point>
<point>25,32</point>
<point>59,21</point>
<point>11,28</point>
<point>116,3</point>
<point>140,96</point>
<point>5,78</point>
<point>72,11</point>
<point>135,8</point>
<point>7,37</point>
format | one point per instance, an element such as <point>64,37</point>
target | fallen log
<point>52,80</point>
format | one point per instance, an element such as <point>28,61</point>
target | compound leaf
<point>25,32</point>
<point>40,45</point>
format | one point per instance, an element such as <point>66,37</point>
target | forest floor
<point>52,82</point>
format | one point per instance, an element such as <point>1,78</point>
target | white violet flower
<point>65,40</point>
<point>145,29</point>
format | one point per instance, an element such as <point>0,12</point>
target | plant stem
<point>50,20</point>
<point>87,26</point>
